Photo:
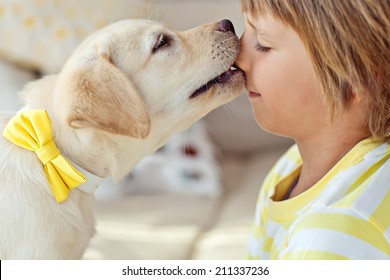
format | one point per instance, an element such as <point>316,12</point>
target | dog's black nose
<point>226,25</point>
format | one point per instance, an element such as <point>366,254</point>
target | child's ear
<point>105,99</point>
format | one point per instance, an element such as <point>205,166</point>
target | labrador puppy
<point>119,97</point>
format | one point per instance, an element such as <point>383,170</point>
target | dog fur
<point>119,97</point>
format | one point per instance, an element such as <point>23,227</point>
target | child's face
<point>283,90</point>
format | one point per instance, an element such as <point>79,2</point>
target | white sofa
<point>172,225</point>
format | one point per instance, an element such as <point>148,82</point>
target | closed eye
<point>261,48</point>
<point>162,41</point>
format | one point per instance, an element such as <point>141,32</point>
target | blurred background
<point>195,198</point>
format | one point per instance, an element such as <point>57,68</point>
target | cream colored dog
<point>119,97</point>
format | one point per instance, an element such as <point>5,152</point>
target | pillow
<point>12,80</point>
<point>41,34</point>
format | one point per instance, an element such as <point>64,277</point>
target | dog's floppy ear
<point>104,98</point>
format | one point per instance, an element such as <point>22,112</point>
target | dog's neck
<point>104,154</point>
<point>92,181</point>
<point>83,147</point>
<point>99,153</point>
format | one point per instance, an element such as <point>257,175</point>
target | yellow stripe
<point>347,224</point>
<point>265,215</point>
<point>359,228</point>
<point>273,179</point>
<point>381,215</point>
<point>362,182</point>
<point>353,193</point>
<point>268,244</point>
<point>293,154</point>
<point>312,255</point>
<point>251,258</point>
<point>257,232</point>
<point>285,211</point>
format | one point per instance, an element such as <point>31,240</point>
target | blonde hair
<point>348,42</point>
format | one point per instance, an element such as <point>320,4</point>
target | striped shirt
<point>345,215</point>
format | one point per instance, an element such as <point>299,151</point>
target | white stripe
<point>378,151</point>
<point>258,215</point>
<point>334,242</point>
<point>342,182</point>
<point>338,186</point>
<point>387,234</point>
<point>374,193</point>
<point>255,248</point>
<point>319,209</point>
<point>277,232</point>
<point>285,166</point>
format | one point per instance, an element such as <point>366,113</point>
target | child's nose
<point>242,59</point>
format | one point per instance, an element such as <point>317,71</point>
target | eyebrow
<point>260,31</point>
<point>250,23</point>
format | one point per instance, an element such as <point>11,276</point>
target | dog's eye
<point>161,42</point>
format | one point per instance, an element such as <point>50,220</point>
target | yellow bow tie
<point>31,130</point>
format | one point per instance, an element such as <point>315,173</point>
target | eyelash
<point>163,41</point>
<point>262,49</point>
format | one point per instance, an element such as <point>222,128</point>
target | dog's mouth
<point>221,79</point>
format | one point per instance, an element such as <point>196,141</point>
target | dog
<point>120,96</point>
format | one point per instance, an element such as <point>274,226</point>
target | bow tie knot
<point>32,130</point>
<point>47,152</point>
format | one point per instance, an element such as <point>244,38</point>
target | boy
<point>318,72</point>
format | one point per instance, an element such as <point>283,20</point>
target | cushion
<point>12,80</point>
<point>41,34</point>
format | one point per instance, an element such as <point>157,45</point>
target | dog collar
<point>31,130</point>
<point>92,182</point>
